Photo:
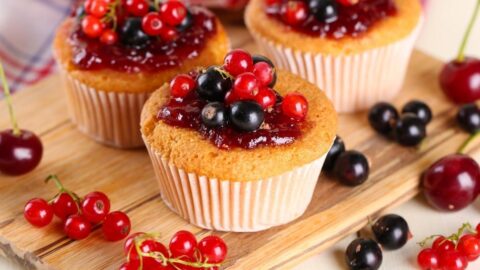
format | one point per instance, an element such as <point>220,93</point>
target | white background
<point>445,24</point>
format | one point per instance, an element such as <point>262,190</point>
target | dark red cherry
<point>19,154</point>
<point>460,81</point>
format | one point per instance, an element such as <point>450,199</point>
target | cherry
<point>64,206</point>
<point>213,249</point>
<point>294,12</point>
<point>264,73</point>
<point>428,259</point>
<point>92,26</point>
<point>183,243</point>
<point>382,117</point>
<point>237,62</point>
<point>38,212</point>
<point>95,206</point>
<point>295,105</point>
<point>363,254</point>
<point>77,227</point>
<point>173,12</point>
<point>182,85</point>
<point>109,37</point>
<point>266,97</point>
<point>137,7</point>
<point>442,244</point>
<point>391,231</point>
<point>20,150</point>
<point>152,24</point>
<point>453,260</point>
<point>452,183</point>
<point>246,86</point>
<point>351,168</point>
<point>460,78</point>
<point>116,226</point>
<point>469,246</point>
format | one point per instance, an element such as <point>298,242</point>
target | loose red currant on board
<point>237,62</point>
<point>295,105</point>
<point>137,7</point>
<point>64,206</point>
<point>148,246</point>
<point>77,227</point>
<point>152,24</point>
<point>213,249</point>
<point>95,206</point>
<point>469,245</point>
<point>428,259</point>
<point>182,85</point>
<point>442,244</point>
<point>109,37</point>
<point>131,265</point>
<point>453,260</point>
<point>183,243</point>
<point>246,86</point>
<point>38,212</point>
<point>116,226</point>
<point>266,97</point>
<point>173,12</point>
<point>294,12</point>
<point>92,26</point>
<point>264,73</point>
<point>130,242</point>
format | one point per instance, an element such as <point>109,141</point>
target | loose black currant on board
<point>214,114</point>
<point>338,147</point>
<point>391,231</point>
<point>382,116</point>
<point>246,115</point>
<point>363,254</point>
<point>410,130</point>
<point>324,10</point>
<point>420,109</point>
<point>351,168</point>
<point>213,84</point>
<point>468,117</point>
<point>131,33</point>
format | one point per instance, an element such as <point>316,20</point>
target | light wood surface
<point>127,177</point>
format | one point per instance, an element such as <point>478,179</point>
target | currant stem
<point>461,52</point>
<point>463,147</point>
<point>62,189</point>
<point>8,99</point>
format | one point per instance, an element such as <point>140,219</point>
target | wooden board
<point>127,177</point>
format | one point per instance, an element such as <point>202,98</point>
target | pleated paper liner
<point>353,82</point>
<point>110,118</point>
<point>239,206</point>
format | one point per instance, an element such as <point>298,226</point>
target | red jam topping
<point>335,20</point>
<point>276,130</point>
<point>156,55</point>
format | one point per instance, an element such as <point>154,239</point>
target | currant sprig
<point>61,189</point>
<point>455,237</point>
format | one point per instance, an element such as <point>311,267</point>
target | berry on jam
<point>214,115</point>
<point>131,33</point>
<point>246,115</point>
<point>382,116</point>
<point>137,7</point>
<point>237,62</point>
<point>152,24</point>
<point>264,73</point>
<point>410,130</point>
<point>420,109</point>
<point>324,10</point>
<point>182,85</point>
<point>295,105</point>
<point>213,84</point>
<point>109,37</point>
<point>92,26</point>
<point>246,86</point>
<point>294,12</point>
<point>259,59</point>
<point>173,12</point>
<point>468,117</point>
<point>266,97</point>
<point>186,22</point>
<point>338,148</point>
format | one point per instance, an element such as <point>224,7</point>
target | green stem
<point>463,147</point>
<point>62,189</point>
<point>461,52</point>
<point>8,99</point>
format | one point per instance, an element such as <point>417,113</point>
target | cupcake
<point>113,54</point>
<point>238,147</point>
<point>355,50</point>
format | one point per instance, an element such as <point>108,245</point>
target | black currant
<point>131,33</point>
<point>382,116</point>
<point>213,84</point>
<point>351,168</point>
<point>391,231</point>
<point>260,58</point>
<point>469,118</point>
<point>363,254</point>
<point>246,115</point>
<point>324,10</point>
<point>410,130</point>
<point>420,109</point>
<point>338,147</point>
<point>186,23</point>
<point>214,114</point>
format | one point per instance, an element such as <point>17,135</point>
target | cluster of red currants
<point>163,22</point>
<point>451,253</point>
<point>144,251</point>
<point>99,20</point>
<point>78,215</point>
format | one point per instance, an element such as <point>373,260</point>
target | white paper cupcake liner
<point>239,206</point>
<point>111,118</point>
<point>353,82</point>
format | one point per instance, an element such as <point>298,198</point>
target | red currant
<point>295,105</point>
<point>230,98</point>
<point>130,242</point>
<point>152,24</point>
<point>173,12</point>
<point>109,37</point>
<point>237,62</point>
<point>245,86</point>
<point>98,8</point>
<point>116,226</point>
<point>266,97</point>
<point>92,26</point>
<point>131,265</point>
<point>453,260</point>
<point>428,259</point>
<point>469,245</point>
<point>169,34</point>
<point>137,7</point>
<point>38,212</point>
<point>294,12</point>
<point>147,246</point>
<point>95,206</point>
<point>264,73</point>
<point>183,243</point>
<point>348,2</point>
<point>64,206</point>
<point>77,227</point>
<point>213,249</point>
<point>442,244</point>
<point>182,85</point>
<point>478,229</point>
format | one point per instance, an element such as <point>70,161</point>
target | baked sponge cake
<point>241,157</point>
<point>111,62</point>
<point>356,51</point>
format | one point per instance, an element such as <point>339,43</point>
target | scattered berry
<point>428,259</point>
<point>469,246</point>
<point>469,118</point>
<point>338,148</point>
<point>351,168</point>
<point>16,141</point>
<point>420,109</point>
<point>410,130</point>
<point>237,62</point>
<point>38,212</point>
<point>382,117</point>
<point>459,80</point>
<point>95,207</point>
<point>77,227</point>
<point>116,226</point>
<point>64,206</point>
<point>295,105</point>
<point>391,231</point>
<point>213,249</point>
<point>442,244</point>
<point>182,85</point>
<point>183,243</point>
<point>453,260</point>
<point>363,254</point>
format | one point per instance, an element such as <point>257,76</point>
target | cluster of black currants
<point>349,167</point>
<point>409,128</point>
<point>391,232</point>
<point>468,117</point>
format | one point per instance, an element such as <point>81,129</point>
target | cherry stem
<point>461,52</point>
<point>8,99</point>
<point>471,138</point>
